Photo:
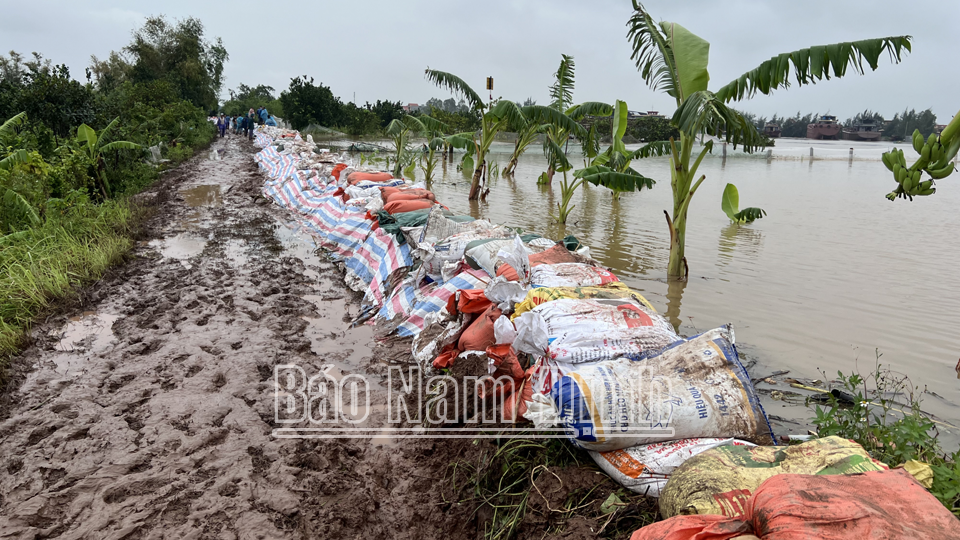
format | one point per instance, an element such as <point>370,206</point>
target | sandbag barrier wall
<point>417,275</point>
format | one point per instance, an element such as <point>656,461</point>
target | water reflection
<point>750,242</point>
<point>675,288</point>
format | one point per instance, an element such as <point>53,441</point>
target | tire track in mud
<point>147,411</point>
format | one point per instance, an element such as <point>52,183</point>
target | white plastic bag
<point>646,468</point>
<point>503,331</point>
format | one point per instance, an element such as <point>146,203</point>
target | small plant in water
<point>892,431</point>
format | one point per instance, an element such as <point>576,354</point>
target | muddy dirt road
<point>145,409</point>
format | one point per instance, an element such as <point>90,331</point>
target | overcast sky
<point>379,49</point>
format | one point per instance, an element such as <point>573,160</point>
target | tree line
<point>898,128</point>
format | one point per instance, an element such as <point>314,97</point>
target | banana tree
<point>527,133</point>
<point>9,129</point>
<point>94,146</point>
<point>673,59</point>
<point>495,117</point>
<point>403,130</point>
<point>730,204</point>
<point>610,169</point>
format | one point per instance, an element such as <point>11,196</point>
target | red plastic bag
<point>515,406</point>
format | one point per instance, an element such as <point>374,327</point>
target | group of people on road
<point>245,124</point>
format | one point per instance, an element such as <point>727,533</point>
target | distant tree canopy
<point>867,116</point>
<point>45,92</point>
<point>307,103</point>
<point>173,52</point>
<point>244,98</point>
<point>903,124</point>
<point>643,129</point>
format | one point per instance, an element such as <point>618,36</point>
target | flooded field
<point>832,275</point>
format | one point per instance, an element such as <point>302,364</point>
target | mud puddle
<point>164,426</point>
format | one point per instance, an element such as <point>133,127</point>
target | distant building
<point>411,107</point>
<point>939,128</point>
<point>641,114</point>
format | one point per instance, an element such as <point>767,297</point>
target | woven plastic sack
<point>541,295</point>
<point>570,275</point>
<point>646,468</point>
<point>590,330</point>
<point>697,388</point>
<point>720,481</point>
<point>880,505</point>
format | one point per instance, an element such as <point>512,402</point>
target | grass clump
<point>886,419</point>
<point>75,245</point>
<point>523,486</point>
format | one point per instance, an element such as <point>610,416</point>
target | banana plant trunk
<point>475,186</point>
<point>510,166</point>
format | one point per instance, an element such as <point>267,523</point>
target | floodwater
<point>834,274</point>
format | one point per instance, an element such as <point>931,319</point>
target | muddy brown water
<point>834,274</point>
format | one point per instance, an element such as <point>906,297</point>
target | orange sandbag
<point>471,301</point>
<point>555,255</point>
<point>399,207</point>
<point>877,504</point>
<point>505,361</point>
<point>445,359</point>
<point>336,170</point>
<point>515,406</point>
<point>355,177</point>
<point>479,335</point>
<point>403,196</point>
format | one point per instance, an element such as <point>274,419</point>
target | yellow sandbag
<point>920,471</point>
<point>720,480</point>
<point>614,290</point>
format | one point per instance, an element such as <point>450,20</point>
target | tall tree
<point>177,52</point>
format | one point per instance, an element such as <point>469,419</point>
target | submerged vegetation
<point>71,154</point>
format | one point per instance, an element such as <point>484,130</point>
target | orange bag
<point>556,254</point>
<point>515,406</point>
<point>877,504</point>
<point>371,176</point>
<point>399,207</point>
<point>336,170</point>
<point>479,335</point>
<point>407,197</point>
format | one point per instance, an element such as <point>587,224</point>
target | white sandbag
<point>646,468</point>
<point>503,331</point>
<point>484,256</point>
<point>504,293</point>
<point>570,275</point>
<point>695,388</point>
<point>450,249</point>
<point>518,257</point>
<point>589,330</point>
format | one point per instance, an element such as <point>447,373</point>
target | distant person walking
<point>222,123</point>
<point>251,123</point>
<point>263,115</point>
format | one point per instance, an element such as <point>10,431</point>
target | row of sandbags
<point>568,345</point>
<point>569,340</point>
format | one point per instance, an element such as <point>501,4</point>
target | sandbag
<point>482,254</point>
<point>398,207</point>
<point>881,505</point>
<point>721,480</point>
<point>538,296</point>
<point>479,335</point>
<point>590,330</point>
<point>404,196</point>
<point>570,275</point>
<point>696,388</point>
<point>355,177</point>
<point>336,170</point>
<point>555,255</point>
<point>645,469</point>
<point>451,249</point>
